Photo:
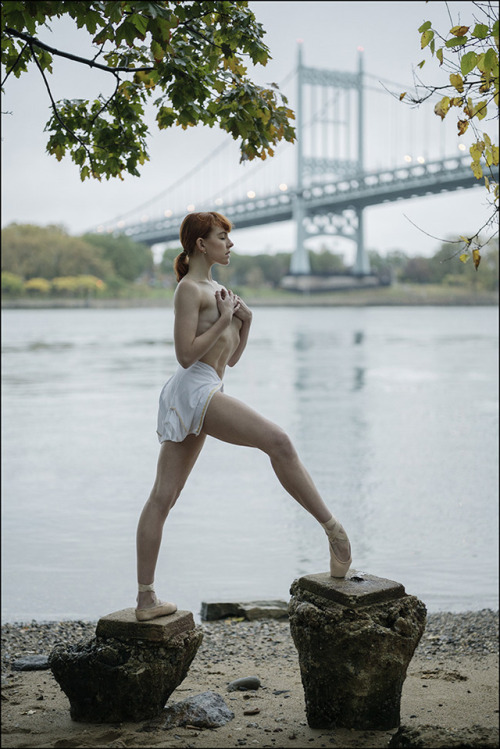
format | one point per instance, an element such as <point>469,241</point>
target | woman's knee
<point>163,498</point>
<point>281,445</point>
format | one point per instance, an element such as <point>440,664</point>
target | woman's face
<point>217,246</point>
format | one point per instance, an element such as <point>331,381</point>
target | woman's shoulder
<point>187,285</point>
<point>187,291</point>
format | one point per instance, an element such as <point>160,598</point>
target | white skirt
<point>184,401</point>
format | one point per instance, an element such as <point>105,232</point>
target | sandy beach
<point>451,685</point>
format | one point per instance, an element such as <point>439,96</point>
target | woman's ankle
<point>145,599</point>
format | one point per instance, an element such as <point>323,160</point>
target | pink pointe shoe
<point>158,608</point>
<point>336,534</point>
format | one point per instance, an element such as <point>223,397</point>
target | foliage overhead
<point>469,56</point>
<point>186,58</point>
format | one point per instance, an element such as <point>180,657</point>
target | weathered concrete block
<point>129,669</point>
<point>355,638</point>
<point>122,625</point>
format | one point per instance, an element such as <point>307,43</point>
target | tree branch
<point>56,113</point>
<point>31,40</point>
<point>14,64</point>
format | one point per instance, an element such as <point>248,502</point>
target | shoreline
<point>451,686</point>
<point>401,295</point>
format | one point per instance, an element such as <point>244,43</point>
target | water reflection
<point>359,378</point>
<point>333,433</point>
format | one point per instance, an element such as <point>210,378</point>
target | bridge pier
<point>362,263</point>
<point>299,263</point>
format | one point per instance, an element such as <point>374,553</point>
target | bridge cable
<point>191,172</point>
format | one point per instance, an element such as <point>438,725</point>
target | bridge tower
<point>329,146</point>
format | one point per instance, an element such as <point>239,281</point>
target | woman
<point>210,332</point>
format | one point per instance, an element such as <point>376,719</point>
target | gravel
<point>446,634</point>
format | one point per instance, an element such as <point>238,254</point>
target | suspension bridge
<point>333,181</point>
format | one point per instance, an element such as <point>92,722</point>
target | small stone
<point>205,710</point>
<point>31,663</point>
<point>246,682</point>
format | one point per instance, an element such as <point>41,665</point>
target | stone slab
<point>251,610</point>
<point>355,590</point>
<point>122,625</point>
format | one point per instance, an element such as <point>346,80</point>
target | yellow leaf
<point>476,150</point>
<point>459,30</point>
<point>476,169</point>
<point>464,258</point>
<point>487,183</point>
<point>481,110</point>
<point>442,107</point>
<point>439,55</point>
<point>476,257</point>
<point>426,38</point>
<point>457,82</point>
<point>402,96</point>
<point>462,126</point>
<point>491,155</point>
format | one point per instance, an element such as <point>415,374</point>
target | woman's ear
<point>200,245</point>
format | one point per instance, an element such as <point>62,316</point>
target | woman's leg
<point>230,420</point>
<point>175,463</point>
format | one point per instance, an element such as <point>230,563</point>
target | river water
<point>394,411</point>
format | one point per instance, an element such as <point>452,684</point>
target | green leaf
<point>480,31</point>
<point>157,51</point>
<point>140,23</point>
<point>490,61</point>
<point>457,42</point>
<point>425,26</point>
<point>468,62</point>
<point>126,31</point>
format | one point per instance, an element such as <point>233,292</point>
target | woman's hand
<point>243,312</point>
<point>227,303</point>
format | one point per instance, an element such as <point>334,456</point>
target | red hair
<point>196,226</point>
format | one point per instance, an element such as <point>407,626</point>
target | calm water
<point>394,412</point>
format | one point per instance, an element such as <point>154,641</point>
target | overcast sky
<point>39,190</point>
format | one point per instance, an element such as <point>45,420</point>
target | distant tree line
<point>47,260</point>
<point>262,270</point>
<point>42,260</point>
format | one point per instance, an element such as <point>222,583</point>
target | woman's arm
<point>245,315</point>
<point>189,347</point>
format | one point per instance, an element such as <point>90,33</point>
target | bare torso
<point>227,343</point>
